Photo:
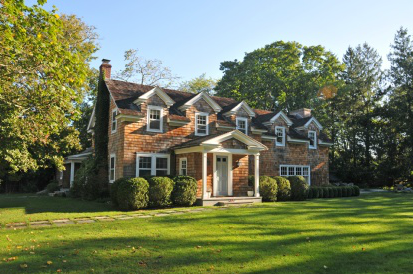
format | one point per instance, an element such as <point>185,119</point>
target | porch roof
<point>213,142</point>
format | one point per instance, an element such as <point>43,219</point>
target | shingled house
<point>218,141</point>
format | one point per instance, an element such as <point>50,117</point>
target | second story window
<point>154,117</point>
<point>280,136</point>
<point>312,135</point>
<point>242,125</point>
<point>201,124</point>
<point>114,121</point>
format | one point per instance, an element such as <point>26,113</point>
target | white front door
<point>222,175</point>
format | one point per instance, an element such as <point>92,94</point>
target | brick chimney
<point>106,68</point>
<point>301,113</point>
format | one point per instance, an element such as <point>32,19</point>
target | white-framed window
<point>114,124</point>
<point>312,135</point>
<point>183,166</point>
<point>201,124</point>
<point>295,170</point>
<point>154,119</point>
<point>112,168</point>
<point>280,136</point>
<point>242,124</point>
<point>152,164</point>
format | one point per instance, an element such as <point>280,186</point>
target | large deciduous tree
<point>44,66</point>
<point>199,84</point>
<point>283,75</point>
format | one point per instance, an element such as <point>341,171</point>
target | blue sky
<point>193,37</point>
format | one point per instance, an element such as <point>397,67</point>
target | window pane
<point>145,162</point>
<point>144,172</point>
<point>305,171</point>
<point>112,162</point>
<point>183,163</point>
<point>161,163</point>
<point>298,171</point>
<point>112,174</point>
<point>155,124</point>
<point>280,135</point>
<point>161,172</point>
<point>201,124</point>
<point>283,171</point>
<point>291,171</point>
<point>183,171</point>
<point>155,114</point>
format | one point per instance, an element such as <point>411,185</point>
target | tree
<point>199,84</point>
<point>282,75</point>
<point>145,71</point>
<point>44,66</point>
<point>359,102</point>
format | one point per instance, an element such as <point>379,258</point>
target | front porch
<point>220,164</point>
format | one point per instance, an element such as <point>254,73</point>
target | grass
<point>367,234</point>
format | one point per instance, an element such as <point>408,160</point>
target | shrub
<point>330,192</point>
<point>356,191</point>
<point>316,192</point>
<point>184,192</point>
<point>251,180</point>
<point>320,192</point>
<point>310,193</point>
<point>268,189</point>
<point>284,188</point>
<point>299,188</point>
<point>339,191</point>
<point>52,187</point>
<point>335,192</point>
<point>114,190</point>
<point>326,192</point>
<point>160,189</point>
<point>346,191</point>
<point>133,194</point>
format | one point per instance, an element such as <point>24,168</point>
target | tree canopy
<point>44,67</point>
<point>199,84</point>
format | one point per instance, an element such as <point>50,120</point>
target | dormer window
<point>114,121</point>
<point>242,125</point>
<point>201,124</point>
<point>154,119</point>
<point>312,135</point>
<point>280,136</point>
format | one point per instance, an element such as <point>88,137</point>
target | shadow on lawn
<point>257,241</point>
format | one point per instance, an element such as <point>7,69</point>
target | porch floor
<point>227,200</point>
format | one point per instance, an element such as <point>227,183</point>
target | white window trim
<point>153,162</point>
<point>160,120</point>
<point>294,166</point>
<point>196,123</point>
<point>315,139</point>
<point>114,167</point>
<point>282,144</point>
<point>246,124</point>
<point>113,120</point>
<point>180,165</point>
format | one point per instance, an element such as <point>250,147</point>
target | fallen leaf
<point>8,238</point>
<point>49,262</point>
<point>198,246</point>
<point>64,261</point>
<point>325,267</point>
<point>23,266</point>
<point>142,263</point>
<point>363,249</point>
<point>59,270</point>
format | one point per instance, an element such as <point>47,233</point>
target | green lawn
<point>366,234</point>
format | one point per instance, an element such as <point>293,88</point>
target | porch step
<point>234,203</point>
<point>223,201</point>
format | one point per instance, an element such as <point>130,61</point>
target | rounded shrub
<point>133,194</point>
<point>356,191</point>
<point>52,187</point>
<point>114,191</point>
<point>330,192</point>
<point>268,189</point>
<point>299,188</point>
<point>284,188</point>
<point>339,191</point>
<point>184,192</point>
<point>310,193</point>
<point>160,189</point>
<point>335,192</point>
<point>346,191</point>
<point>316,192</point>
<point>326,192</point>
<point>320,192</point>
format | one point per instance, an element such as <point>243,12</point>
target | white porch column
<point>72,173</point>
<point>204,175</point>
<point>257,175</point>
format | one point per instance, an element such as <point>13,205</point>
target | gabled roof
<point>283,116</point>
<point>155,91</point>
<point>196,98</point>
<point>234,109</point>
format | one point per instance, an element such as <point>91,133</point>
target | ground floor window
<point>112,168</point>
<point>183,162</point>
<point>292,170</point>
<point>152,164</point>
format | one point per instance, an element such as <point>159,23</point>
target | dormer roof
<point>203,95</point>
<point>155,91</point>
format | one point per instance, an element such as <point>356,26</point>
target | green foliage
<point>160,189</point>
<point>251,180</point>
<point>356,190</point>
<point>184,192</point>
<point>114,190</point>
<point>44,67</point>
<point>299,188</point>
<point>52,187</point>
<point>339,192</point>
<point>268,189</point>
<point>335,192</point>
<point>284,188</point>
<point>283,75</point>
<point>198,85</point>
<point>133,194</point>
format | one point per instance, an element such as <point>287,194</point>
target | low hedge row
<point>137,193</point>
<point>333,192</point>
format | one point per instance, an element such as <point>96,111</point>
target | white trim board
<point>198,97</point>
<point>155,91</point>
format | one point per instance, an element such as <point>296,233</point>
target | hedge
<point>299,188</point>
<point>184,191</point>
<point>268,189</point>
<point>133,194</point>
<point>284,188</point>
<point>332,191</point>
<point>160,189</point>
<point>114,191</point>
